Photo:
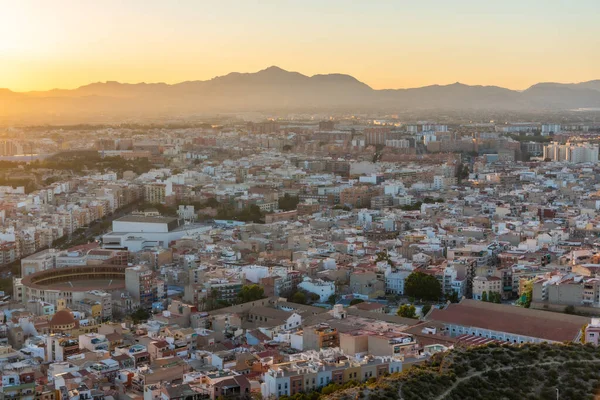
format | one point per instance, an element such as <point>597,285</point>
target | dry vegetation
<point>492,372</point>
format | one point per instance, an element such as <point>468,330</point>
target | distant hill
<point>274,89</point>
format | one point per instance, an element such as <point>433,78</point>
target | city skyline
<point>387,46</point>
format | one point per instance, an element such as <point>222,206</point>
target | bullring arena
<point>52,284</point>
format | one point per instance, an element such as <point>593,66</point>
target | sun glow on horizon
<point>67,43</point>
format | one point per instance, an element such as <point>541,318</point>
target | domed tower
<point>63,321</point>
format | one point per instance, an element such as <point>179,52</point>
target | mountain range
<point>274,89</point>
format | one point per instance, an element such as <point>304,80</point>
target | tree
<point>331,300</point>
<point>569,310</point>
<point>140,315</point>
<point>525,299</point>
<point>412,207</point>
<point>211,301</point>
<point>462,172</point>
<point>465,172</point>
<point>211,202</point>
<point>250,293</point>
<point>497,298</point>
<point>251,213</point>
<point>407,311</point>
<point>299,298</point>
<point>356,301</point>
<point>287,202</point>
<point>423,286</point>
<point>117,315</point>
<point>384,256</point>
<point>484,296</point>
<point>452,297</point>
<point>339,207</point>
<point>426,308</point>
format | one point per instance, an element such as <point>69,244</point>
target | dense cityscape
<point>299,200</point>
<point>292,257</point>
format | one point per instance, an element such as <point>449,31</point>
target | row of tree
<point>248,293</point>
<point>410,311</point>
<point>300,297</point>
<point>492,297</point>
<point>252,213</point>
<point>84,161</point>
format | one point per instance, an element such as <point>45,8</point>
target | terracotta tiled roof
<point>544,325</point>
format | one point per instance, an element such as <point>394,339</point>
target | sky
<point>386,44</point>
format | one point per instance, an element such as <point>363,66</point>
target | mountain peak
<point>273,68</point>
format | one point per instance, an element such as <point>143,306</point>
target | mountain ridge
<point>272,70</point>
<point>274,88</point>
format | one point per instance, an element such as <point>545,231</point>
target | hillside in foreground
<point>492,372</point>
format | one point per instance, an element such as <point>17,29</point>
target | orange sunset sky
<point>386,44</point>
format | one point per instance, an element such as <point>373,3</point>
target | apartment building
<point>565,290</point>
<point>378,343</point>
<point>394,280</point>
<point>324,289</point>
<point>311,370</point>
<point>142,286</point>
<point>487,285</point>
<point>320,336</point>
<point>156,193</point>
<point>572,152</point>
<point>359,196</point>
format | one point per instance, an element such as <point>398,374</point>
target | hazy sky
<point>386,44</point>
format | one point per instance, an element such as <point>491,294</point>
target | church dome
<point>63,319</point>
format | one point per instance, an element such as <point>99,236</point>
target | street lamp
<point>557,394</point>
